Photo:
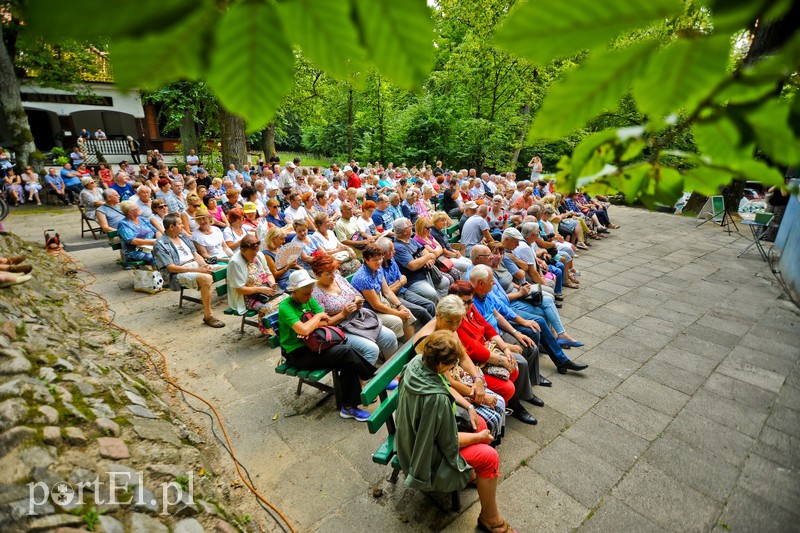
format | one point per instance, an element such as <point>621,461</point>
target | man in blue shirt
<point>422,308</point>
<point>414,262</point>
<point>371,194</point>
<point>481,255</point>
<point>56,185</point>
<point>493,312</point>
<point>379,217</point>
<point>72,183</point>
<point>123,188</point>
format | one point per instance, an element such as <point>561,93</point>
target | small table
<point>758,227</point>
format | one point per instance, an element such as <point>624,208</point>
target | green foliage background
<point>646,98</point>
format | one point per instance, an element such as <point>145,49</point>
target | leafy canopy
<point>674,71</point>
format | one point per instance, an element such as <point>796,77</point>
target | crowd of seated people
<point>372,256</point>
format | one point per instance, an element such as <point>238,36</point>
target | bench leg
<point>395,475</point>
<point>180,300</point>
<point>241,330</point>
<point>455,502</point>
<point>299,382</point>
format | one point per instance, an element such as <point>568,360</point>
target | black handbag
<point>536,298</point>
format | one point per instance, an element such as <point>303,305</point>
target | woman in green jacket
<point>434,455</point>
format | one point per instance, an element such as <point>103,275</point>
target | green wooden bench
<point>216,275</point>
<point>452,233</point>
<point>384,414</point>
<point>312,378</point>
<point>222,290</point>
<point>115,244</point>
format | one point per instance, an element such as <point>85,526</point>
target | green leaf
<point>541,31</point>
<point>633,180</point>
<point>754,170</point>
<point>589,150</point>
<point>681,75</point>
<point>400,40</point>
<point>770,123</point>
<point>325,32</point>
<point>158,58</point>
<point>706,180</point>
<point>719,141</point>
<point>251,72</point>
<point>58,20</point>
<point>597,84</point>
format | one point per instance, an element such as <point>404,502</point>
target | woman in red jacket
<point>475,334</point>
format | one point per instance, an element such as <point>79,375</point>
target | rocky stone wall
<point>86,440</point>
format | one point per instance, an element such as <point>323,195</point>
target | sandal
<point>571,285</point>
<point>20,269</point>
<point>488,528</point>
<point>214,322</point>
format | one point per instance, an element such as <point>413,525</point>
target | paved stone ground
<point>688,418</point>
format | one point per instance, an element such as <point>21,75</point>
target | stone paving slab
<point>688,418</point>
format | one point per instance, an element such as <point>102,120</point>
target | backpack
<point>323,338</point>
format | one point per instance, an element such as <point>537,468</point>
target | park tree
<point>50,63</point>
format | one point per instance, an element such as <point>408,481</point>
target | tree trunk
<point>234,140</point>
<point>188,133</point>
<point>14,114</point>
<point>350,124</point>
<point>526,111</point>
<point>268,140</point>
<point>695,203</point>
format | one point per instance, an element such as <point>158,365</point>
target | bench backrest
<point>377,388</point>
<point>113,240</point>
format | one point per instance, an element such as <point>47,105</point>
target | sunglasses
<point>467,303</point>
<point>251,246</point>
<point>195,205</point>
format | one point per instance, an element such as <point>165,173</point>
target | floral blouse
<point>334,303</point>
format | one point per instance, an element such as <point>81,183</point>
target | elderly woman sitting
<point>91,197</point>
<point>209,239</point>
<point>344,305</point>
<point>250,282</point>
<point>328,243</point>
<point>466,378</point>
<point>136,234</point>
<point>440,221</point>
<point>298,316</point>
<point>273,240</point>
<point>371,282</point>
<point>432,452</point>
<point>424,237</point>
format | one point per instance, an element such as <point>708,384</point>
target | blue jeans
<point>369,350</point>
<point>422,309</point>
<point>547,310</point>
<point>545,338</point>
<point>559,273</point>
<point>136,255</point>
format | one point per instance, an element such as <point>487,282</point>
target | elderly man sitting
<point>181,266</point>
<point>476,228</point>
<point>481,255</point>
<point>109,215</point>
<point>416,264</point>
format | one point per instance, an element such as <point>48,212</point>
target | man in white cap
<point>287,179</point>
<point>352,178</point>
<point>341,358</point>
<point>476,228</point>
